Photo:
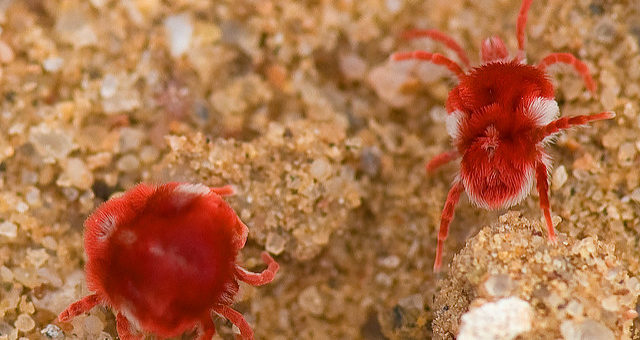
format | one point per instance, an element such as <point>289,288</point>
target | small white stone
<point>8,229</point>
<point>6,53</point>
<point>74,27</point>
<point>388,79</point>
<point>24,323</point>
<point>52,64</point>
<point>37,257</point>
<point>275,243</point>
<point>52,331</point>
<point>559,177</point>
<point>320,169</point>
<point>610,303</point>
<point>21,207</point>
<point>586,330</point>
<point>575,308</point>
<point>311,301</point>
<point>499,285</point>
<point>179,30</point>
<point>75,174</point>
<point>352,66</point>
<point>109,86</point>
<point>501,320</point>
<point>128,163</point>
<point>390,262</point>
<point>51,143</point>
<point>130,139</point>
<point>635,195</point>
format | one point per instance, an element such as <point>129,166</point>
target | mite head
<point>493,49</point>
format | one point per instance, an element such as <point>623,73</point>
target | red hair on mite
<point>163,258</point>
<point>501,115</point>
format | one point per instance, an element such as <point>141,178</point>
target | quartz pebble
<point>76,174</point>
<point>501,320</point>
<point>559,177</point>
<point>499,285</point>
<point>585,330</point>
<point>24,323</point>
<point>275,243</point>
<point>51,143</point>
<point>311,301</point>
<point>52,331</point>
<point>8,229</point>
<point>179,30</point>
<point>52,64</point>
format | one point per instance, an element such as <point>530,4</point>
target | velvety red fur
<point>501,114</point>
<point>164,258</point>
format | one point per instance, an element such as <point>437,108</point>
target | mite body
<point>163,258</point>
<point>501,115</point>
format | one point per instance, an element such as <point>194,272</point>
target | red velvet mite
<point>163,258</point>
<point>500,117</point>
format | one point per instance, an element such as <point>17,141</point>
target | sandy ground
<point>297,104</point>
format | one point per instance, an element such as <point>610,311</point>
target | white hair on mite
<point>197,189</point>
<point>107,224</point>
<point>543,111</point>
<point>453,124</point>
<point>185,192</point>
<point>479,200</point>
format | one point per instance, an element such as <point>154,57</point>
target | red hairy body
<point>164,258</point>
<point>500,117</point>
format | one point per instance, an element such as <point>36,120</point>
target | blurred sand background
<point>297,105</point>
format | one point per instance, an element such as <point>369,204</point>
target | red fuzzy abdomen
<point>168,265</point>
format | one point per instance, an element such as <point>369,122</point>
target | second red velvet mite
<point>163,258</point>
<point>501,115</point>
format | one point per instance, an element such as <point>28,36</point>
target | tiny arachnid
<point>500,117</point>
<point>164,257</point>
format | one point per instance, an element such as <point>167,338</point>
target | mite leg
<point>542,182</point>
<point>226,190</point>
<point>520,27</point>
<point>125,329</point>
<point>259,279</point>
<point>435,58</point>
<point>236,319</point>
<point>568,58</point>
<point>207,329</point>
<point>241,238</point>
<point>447,216</point>
<point>567,122</point>
<point>440,160</point>
<point>82,306</point>
<point>441,37</point>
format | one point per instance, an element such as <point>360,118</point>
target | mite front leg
<point>259,279</point>
<point>520,27</point>
<point>445,220</point>
<point>207,329</point>
<point>125,329</point>
<point>568,58</point>
<point>434,58</point>
<point>542,183</point>
<point>440,160</point>
<point>236,319</point>
<point>82,306</point>
<point>226,190</point>
<point>441,37</point>
<point>567,122</point>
